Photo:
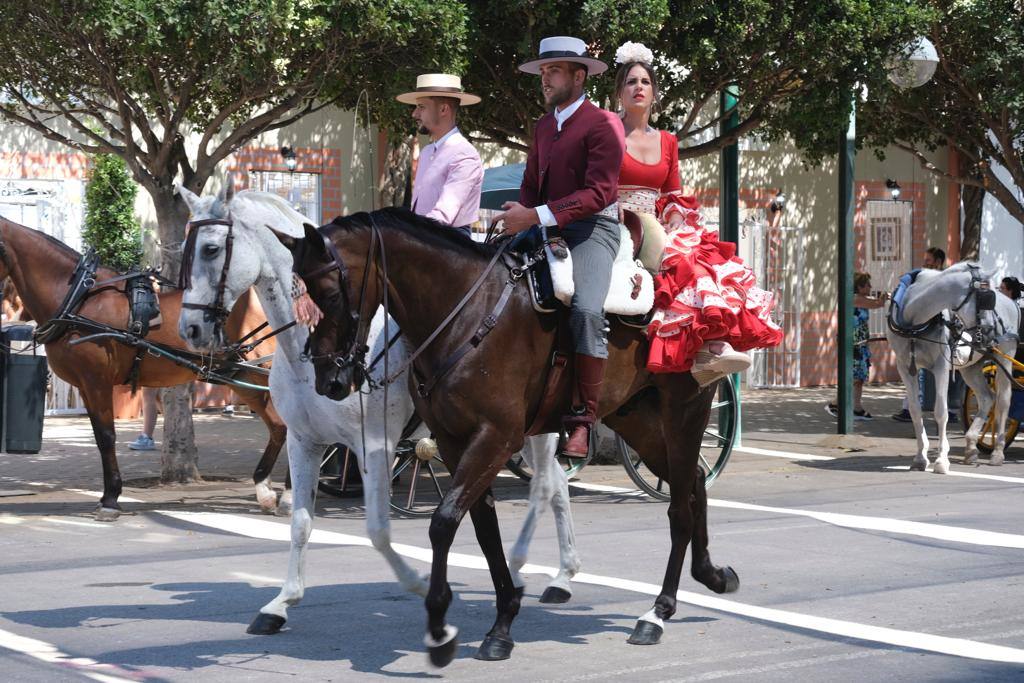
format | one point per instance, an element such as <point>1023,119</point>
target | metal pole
<point>844,283</point>
<point>729,205</point>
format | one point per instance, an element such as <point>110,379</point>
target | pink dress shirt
<point>448,182</point>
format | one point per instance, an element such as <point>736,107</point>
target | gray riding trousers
<point>593,242</point>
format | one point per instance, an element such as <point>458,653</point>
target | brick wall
<point>44,165</point>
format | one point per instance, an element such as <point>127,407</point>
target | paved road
<point>850,571</point>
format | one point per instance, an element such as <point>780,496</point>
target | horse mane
<point>255,208</point>
<point>420,228</point>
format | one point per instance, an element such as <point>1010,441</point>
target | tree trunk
<point>179,459</point>
<point>973,199</point>
<point>396,176</point>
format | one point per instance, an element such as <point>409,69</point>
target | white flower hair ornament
<point>633,52</point>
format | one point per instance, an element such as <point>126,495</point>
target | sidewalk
<point>784,420</point>
<point>787,419</point>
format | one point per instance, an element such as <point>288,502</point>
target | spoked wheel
<point>418,480</point>
<point>339,473</point>
<point>517,465</point>
<point>715,448</point>
<point>987,437</point>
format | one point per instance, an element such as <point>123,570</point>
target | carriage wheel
<point>987,437</point>
<point>572,466</point>
<point>418,482</point>
<point>715,448</point>
<point>336,473</point>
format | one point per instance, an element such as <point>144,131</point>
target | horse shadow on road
<point>371,625</point>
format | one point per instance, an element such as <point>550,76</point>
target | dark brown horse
<point>479,410</point>
<point>40,268</point>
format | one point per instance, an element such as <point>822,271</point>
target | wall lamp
<point>893,187</point>
<point>290,162</point>
<point>778,203</point>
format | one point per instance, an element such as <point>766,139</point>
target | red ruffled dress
<point>704,292</point>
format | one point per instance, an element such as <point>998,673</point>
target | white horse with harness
<point>952,319</point>
<point>231,249</point>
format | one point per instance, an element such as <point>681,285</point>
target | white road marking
<point>99,494</point>
<point>603,488</point>
<point>939,532</point>
<point>780,454</point>
<point>257,580</point>
<point>960,647</point>
<point>972,475</point>
<point>45,652</point>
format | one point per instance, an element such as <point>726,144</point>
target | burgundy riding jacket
<point>574,171</point>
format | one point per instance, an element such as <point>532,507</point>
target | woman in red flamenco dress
<point>708,309</point>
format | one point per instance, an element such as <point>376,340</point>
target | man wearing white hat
<point>571,186</point>
<point>450,175</point>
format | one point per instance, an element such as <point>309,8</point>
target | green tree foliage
<point>110,224</point>
<point>793,61</point>
<point>974,103</point>
<point>134,77</point>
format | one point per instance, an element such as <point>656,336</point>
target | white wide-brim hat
<point>564,49</point>
<point>438,85</point>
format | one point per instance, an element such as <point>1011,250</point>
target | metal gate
<point>777,258</point>
<point>888,249</point>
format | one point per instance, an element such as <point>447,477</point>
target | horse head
<point>228,250</point>
<point>337,278</point>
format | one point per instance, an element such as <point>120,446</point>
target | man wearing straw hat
<point>449,176</point>
<point>570,186</point>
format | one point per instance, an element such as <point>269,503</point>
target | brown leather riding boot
<point>589,375</point>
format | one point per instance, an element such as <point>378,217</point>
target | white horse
<point>259,260</point>
<point>931,295</point>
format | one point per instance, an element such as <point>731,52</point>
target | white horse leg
<point>541,489</point>
<point>975,379</point>
<point>376,472</point>
<point>914,406</point>
<point>1002,402</point>
<point>941,373</point>
<point>559,589</point>
<point>304,462</point>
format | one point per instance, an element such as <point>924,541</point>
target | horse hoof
<point>495,648</point>
<point>553,595</point>
<point>941,467</point>
<point>732,580</point>
<point>645,633</point>
<point>971,459</point>
<point>442,654</point>
<point>918,466</point>
<point>103,514</point>
<point>265,624</point>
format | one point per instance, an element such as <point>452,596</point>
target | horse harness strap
<point>485,327</point>
<point>82,280</point>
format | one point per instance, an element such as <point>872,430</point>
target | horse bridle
<point>215,311</point>
<point>353,354</point>
<point>984,300</point>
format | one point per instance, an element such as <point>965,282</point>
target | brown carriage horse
<point>40,268</point>
<point>479,407</point>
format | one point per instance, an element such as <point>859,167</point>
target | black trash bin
<point>24,391</point>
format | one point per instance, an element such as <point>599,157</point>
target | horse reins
<point>355,353</point>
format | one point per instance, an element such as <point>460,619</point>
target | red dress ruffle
<point>704,292</point>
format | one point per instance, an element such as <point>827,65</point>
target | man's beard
<point>423,130</point>
<point>558,97</point>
